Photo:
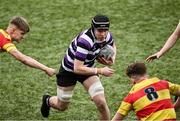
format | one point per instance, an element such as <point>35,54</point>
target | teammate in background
<point>78,65</point>
<point>16,30</point>
<point>149,97</point>
<point>168,45</point>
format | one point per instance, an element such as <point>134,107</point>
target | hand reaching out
<point>152,57</point>
<point>50,71</point>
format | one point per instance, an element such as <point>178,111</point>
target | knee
<point>63,99</point>
<point>96,89</point>
<point>64,96</point>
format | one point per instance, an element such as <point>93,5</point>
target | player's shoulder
<point>109,37</point>
<point>4,39</point>
<point>3,34</point>
<point>87,34</point>
<point>86,37</point>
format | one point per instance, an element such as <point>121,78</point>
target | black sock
<point>47,101</point>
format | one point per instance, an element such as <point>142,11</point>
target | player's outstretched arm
<point>152,57</point>
<point>168,45</point>
<point>32,62</point>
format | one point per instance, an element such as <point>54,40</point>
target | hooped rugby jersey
<point>150,99</point>
<point>5,42</point>
<point>84,47</point>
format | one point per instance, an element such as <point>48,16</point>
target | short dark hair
<point>137,68</point>
<point>21,23</point>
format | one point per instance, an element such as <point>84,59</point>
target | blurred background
<point>139,27</point>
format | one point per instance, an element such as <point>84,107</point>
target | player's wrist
<point>95,71</point>
<point>99,71</point>
<point>159,54</point>
<point>45,69</point>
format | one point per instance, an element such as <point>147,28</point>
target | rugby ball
<point>107,51</point>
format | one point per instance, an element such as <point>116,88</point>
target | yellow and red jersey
<point>150,99</point>
<point>5,41</point>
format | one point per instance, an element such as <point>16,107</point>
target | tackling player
<point>16,30</point>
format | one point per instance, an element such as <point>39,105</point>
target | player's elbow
<point>23,60</point>
<point>178,93</point>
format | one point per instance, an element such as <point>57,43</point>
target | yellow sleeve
<point>173,88</point>
<point>124,108</point>
<point>9,46</point>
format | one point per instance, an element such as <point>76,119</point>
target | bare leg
<point>99,99</point>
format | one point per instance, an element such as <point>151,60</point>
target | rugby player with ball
<point>78,64</point>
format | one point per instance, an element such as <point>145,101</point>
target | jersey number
<point>151,93</point>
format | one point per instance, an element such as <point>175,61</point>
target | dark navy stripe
<point>89,34</point>
<point>68,66</point>
<point>67,61</point>
<point>70,53</point>
<point>74,47</point>
<point>89,63</point>
<point>91,57</point>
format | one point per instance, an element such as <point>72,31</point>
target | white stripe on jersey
<point>71,49</point>
<point>69,58</point>
<point>82,50</point>
<point>111,42</point>
<point>87,61</point>
<point>89,40</point>
<point>94,52</point>
<point>108,37</point>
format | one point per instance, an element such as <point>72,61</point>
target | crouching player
<point>149,97</point>
<point>78,65</point>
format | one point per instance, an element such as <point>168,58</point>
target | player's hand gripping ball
<point>107,52</point>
